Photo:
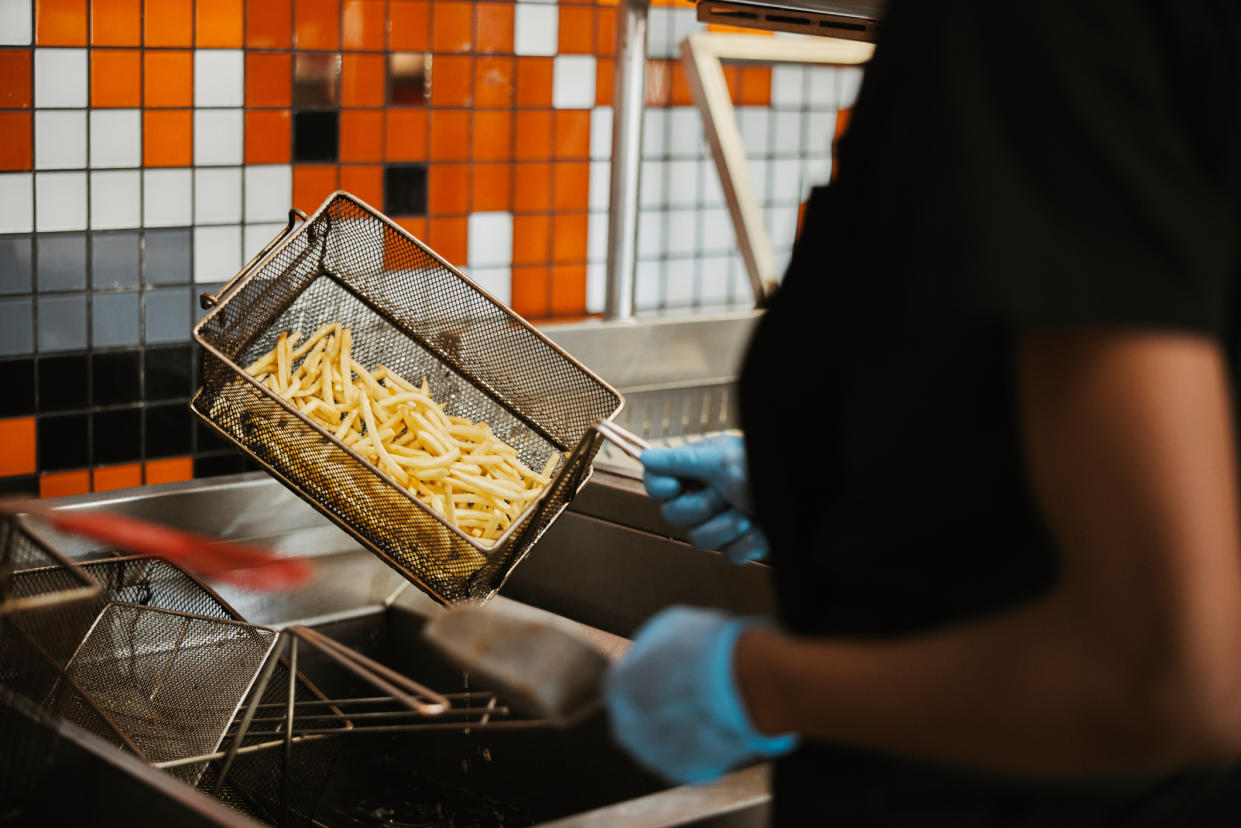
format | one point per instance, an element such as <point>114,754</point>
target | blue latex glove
<point>720,511</point>
<point>674,703</point>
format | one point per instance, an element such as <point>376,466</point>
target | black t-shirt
<point>1009,167</point>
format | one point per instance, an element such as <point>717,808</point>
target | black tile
<point>168,429</point>
<point>64,382</point>
<point>405,189</point>
<point>169,372</point>
<point>207,438</point>
<point>214,464</point>
<point>316,135</point>
<point>116,377</point>
<point>64,442</point>
<point>27,484</point>
<point>118,435</point>
<point>17,380</point>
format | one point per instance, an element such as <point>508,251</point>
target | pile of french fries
<point>458,467</point>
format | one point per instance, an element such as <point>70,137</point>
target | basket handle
<point>208,300</point>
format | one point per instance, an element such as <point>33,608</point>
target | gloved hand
<point>673,700</point>
<point>719,512</point>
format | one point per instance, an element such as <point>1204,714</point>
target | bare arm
<point>1133,662</point>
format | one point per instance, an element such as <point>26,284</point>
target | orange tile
<point>495,28</point>
<point>571,185</point>
<point>568,289</point>
<point>493,135</point>
<point>108,478</point>
<point>449,237</point>
<point>361,135</point>
<point>64,484</point>
<point>60,23</point>
<point>169,470</point>
<point>659,82</point>
<point>448,189</point>
<point>406,135</point>
<point>572,133</point>
<point>532,187</point>
<point>269,135</point>
<point>269,24</point>
<point>532,129</point>
<point>530,291</point>
<point>453,26</point>
<point>756,86</point>
<point>365,182</point>
<point>363,80</point>
<point>168,78</point>
<point>842,126</point>
<point>15,141</point>
<point>269,78</point>
<point>493,187</point>
<point>316,24</point>
<point>416,226</point>
<point>116,22</point>
<point>450,135</point>
<point>363,22</point>
<point>577,30</point>
<point>679,93</point>
<point>605,34</point>
<point>167,137</point>
<point>168,23</point>
<point>15,79</point>
<point>17,443</point>
<point>452,80</point>
<point>493,82</point>
<point>569,238</point>
<point>115,77</point>
<point>219,24</point>
<point>531,239</point>
<point>604,68</point>
<point>312,183</point>
<point>534,82</point>
<point>409,25</point>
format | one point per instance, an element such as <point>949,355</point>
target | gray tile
<point>167,256</point>
<point>62,322</point>
<point>62,261</point>
<point>15,275</point>
<point>16,327</point>
<point>114,260</point>
<point>114,319</point>
<point>168,314</point>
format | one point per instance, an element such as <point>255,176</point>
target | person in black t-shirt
<point>990,445</point>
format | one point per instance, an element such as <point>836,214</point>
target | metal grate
<point>413,312</point>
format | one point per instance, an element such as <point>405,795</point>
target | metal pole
<point>628,99</point>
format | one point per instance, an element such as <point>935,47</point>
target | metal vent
<point>848,19</point>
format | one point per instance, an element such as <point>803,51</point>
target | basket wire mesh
<point>412,311</point>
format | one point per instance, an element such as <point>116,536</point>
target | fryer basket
<point>413,312</point>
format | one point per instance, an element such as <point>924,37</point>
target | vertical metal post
<point>628,99</point>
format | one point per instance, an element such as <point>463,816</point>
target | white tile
<point>218,137</point>
<point>573,82</point>
<point>167,197</point>
<point>597,237</point>
<point>217,195</point>
<point>256,236</point>
<point>600,184</point>
<point>782,257</point>
<point>785,180</point>
<point>713,279</point>
<point>59,139</point>
<point>544,2</point>
<point>115,199</point>
<point>821,87</point>
<point>16,26</point>
<point>648,285</point>
<point>754,123</point>
<point>717,229</point>
<point>219,77</point>
<point>269,192</point>
<point>683,182</point>
<point>536,29</point>
<point>712,192</point>
<point>655,133</point>
<point>786,132</point>
<point>685,135</point>
<point>757,167</point>
<point>60,201</point>
<point>667,26</point>
<point>115,138</point>
<point>498,281</point>
<point>601,132</point>
<point>596,287</point>
<point>217,253</point>
<point>679,283</point>
<point>788,86</point>
<point>490,239</point>
<point>739,287</point>
<point>815,172</point>
<point>650,234</point>
<point>682,231</point>
<point>850,85</point>
<point>60,78</point>
<point>653,185</point>
<point>820,132</point>
<point>16,202</point>
<point>781,225</point>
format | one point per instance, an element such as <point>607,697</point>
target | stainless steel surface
<point>850,19</point>
<point>629,99</point>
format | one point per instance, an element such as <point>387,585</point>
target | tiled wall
<point>149,147</point>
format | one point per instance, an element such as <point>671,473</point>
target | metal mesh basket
<point>412,311</point>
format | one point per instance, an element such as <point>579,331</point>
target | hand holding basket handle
<point>243,565</point>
